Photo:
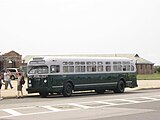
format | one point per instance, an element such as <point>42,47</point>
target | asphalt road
<point>139,105</point>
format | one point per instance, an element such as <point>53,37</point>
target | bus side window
<point>132,68</point>
<point>55,69</point>
<point>108,68</point>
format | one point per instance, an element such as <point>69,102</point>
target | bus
<point>64,74</point>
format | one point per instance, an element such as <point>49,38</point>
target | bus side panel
<point>91,81</point>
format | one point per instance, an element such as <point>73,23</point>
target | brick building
<point>11,59</point>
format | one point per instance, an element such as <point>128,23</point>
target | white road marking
<point>81,106</point>
<point>107,103</point>
<point>51,108</point>
<point>149,98</point>
<point>12,112</point>
<point>126,100</point>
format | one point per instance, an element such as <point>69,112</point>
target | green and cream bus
<point>64,74</point>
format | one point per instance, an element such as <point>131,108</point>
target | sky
<point>51,27</point>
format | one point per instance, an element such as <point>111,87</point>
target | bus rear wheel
<point>120,87</point>
<point>67,89</point>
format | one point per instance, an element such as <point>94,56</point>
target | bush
<point>157,69</point>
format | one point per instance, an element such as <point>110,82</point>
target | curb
<point>30,95</point>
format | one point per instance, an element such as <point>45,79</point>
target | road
<point>139,105</point>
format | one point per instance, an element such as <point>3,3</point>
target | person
<point>1,83</point>
<point>7,79</point>
<point>19,86</point>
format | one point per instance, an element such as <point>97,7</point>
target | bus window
<point>80,69</point>
<point>77,69</point>
<point>100,68</point>
<point>55,68</point>
<point>126,66</point>
<point>99,63</point>
<point>89,68</point>
<point>132,68</point>
<point>65,63</point>
<point>68,69</point>
<point>108,63</point>
<point>108,68</point>
<point>71,63</point>
<point>65,69</point>
<point>38,70</point>
<point>117,67</point>
<point>93,68</point>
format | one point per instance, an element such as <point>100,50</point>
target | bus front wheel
<point>43,94</point>
<point>67,89</point>
<point>120,87</point>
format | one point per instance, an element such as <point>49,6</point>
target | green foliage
<point>157,69</point>
<point>155,76</point>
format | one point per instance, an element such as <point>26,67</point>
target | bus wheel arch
<point>121,84</point>
<point>67,89</point>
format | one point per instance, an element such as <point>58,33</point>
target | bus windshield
<point>38,70</point>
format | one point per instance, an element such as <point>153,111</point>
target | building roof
<point>135,57</point>
<point>11,53</point>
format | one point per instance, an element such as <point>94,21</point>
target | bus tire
<point>100,91</point>
<point>12,77</point>
<point>120,87</point>
<point>67,89</point>
<point>43,94</point>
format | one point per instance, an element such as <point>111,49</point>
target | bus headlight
<point>29,81</point>
<point>45,81</point>
<point>30,85</point>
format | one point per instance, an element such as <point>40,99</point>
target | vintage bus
<point>64,74</point>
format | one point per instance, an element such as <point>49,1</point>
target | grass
<point>155,76</point>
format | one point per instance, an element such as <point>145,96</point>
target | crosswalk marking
<point>126,100</point>
<point>75,106</point>
<point>51,108</point>
<point>81,106</point>
<point>149,98</point>
<point>107,103</point>
<point>12,112</point>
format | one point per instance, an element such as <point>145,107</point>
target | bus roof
<point>52,58</point>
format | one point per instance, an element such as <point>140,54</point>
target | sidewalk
<point>11,93</point>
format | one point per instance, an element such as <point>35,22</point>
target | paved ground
<point>142,84</point>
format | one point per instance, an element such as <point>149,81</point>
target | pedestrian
<point>19,86</point>
<point>1,83</point>
<point>7,79</point>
